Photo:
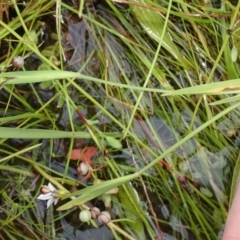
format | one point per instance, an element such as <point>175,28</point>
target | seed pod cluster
<point>103,217</point>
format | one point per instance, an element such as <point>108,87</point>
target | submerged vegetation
<point>119,119</point>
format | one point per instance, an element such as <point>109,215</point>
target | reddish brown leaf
<point>75,154</point>
<point>84,155</point>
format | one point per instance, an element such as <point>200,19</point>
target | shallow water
<point>199,166</point>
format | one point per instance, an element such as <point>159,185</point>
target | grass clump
<point>144,92</point>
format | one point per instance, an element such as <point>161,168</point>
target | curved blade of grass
<point>19,153</point>
<point>226,100</point>
<point>230,66</point>
<point>29,14</point>
<point>152,23</point>
<point>95,191</point>
<point>16,170</point>
<point>21,116</point>
<point>47,75</point>
<point>160,44</point>
<point>139,51</point>
<point>225,87</point>
<point>35,76</point>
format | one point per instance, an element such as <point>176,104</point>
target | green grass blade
<point>95,191</point>
<point>225,87</point>
<point>6,132</point>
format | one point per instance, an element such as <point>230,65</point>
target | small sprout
<point>104,217</point>
<point>85,215</point>
<point>94,212</point>
<point>107,199</point>
<point>57,63</point>
<point>82,169</point>
<point>234,54</point>
<point>231,133</point>
<point>17,62</point>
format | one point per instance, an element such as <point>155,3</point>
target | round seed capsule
<point>85,215</point>
<point>94,212</point>
<point>104,217</point>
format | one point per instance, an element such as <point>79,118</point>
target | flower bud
<point>231,133</point>
<point>60,193</point>
<point>45,189</point>
<point>82,169</point>
<point>107,199</point>
<point>104,217</point>
<point>85,215</point>
<point>94,212</point>
<point>17,62</point>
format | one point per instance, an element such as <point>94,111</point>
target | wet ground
<point>81,45</point>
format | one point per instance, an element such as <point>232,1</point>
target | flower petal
<point>56,201</point>
<point>52,188</point>
<point>50,201</point>
<point>45,196</point>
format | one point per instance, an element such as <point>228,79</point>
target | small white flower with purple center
<point>49,194</point>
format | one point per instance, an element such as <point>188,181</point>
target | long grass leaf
<point>95,191</point>
<point>225,87</point>
<point>7,132</point>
